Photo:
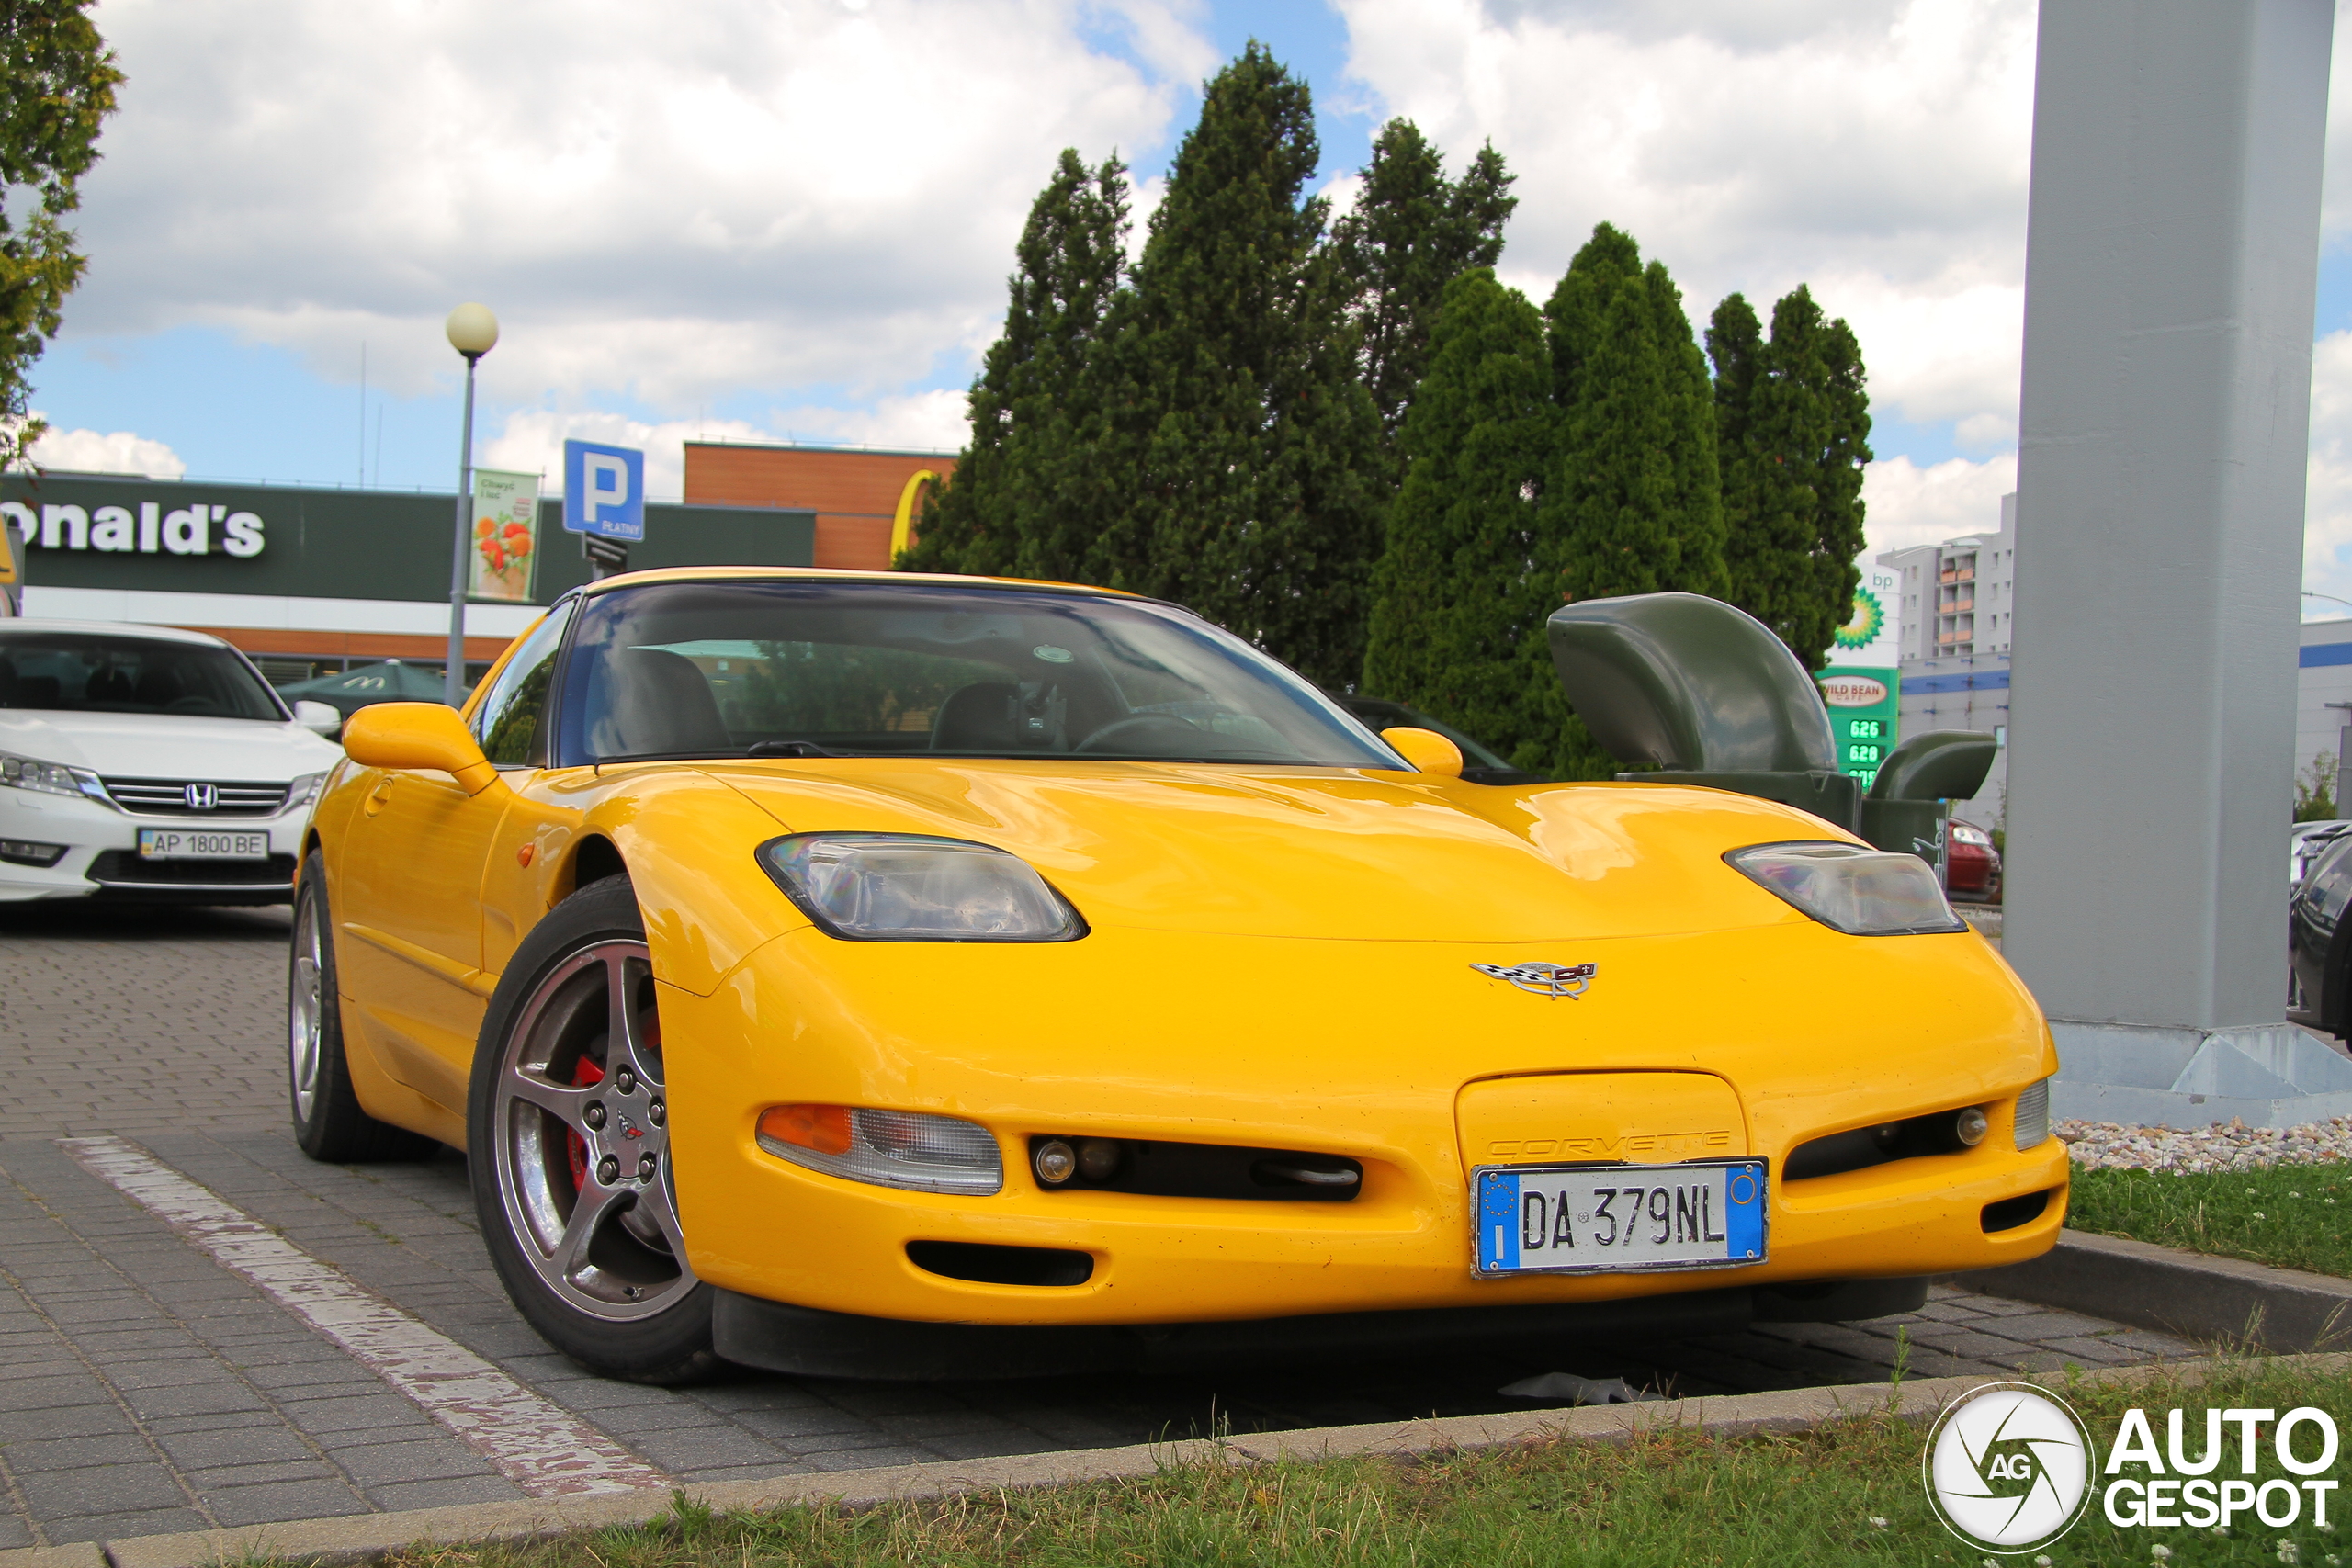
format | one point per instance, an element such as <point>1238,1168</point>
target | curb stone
<point>351,1540</point>
<point>2193,1295</point>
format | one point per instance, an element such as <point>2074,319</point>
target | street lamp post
<point>473,332</point>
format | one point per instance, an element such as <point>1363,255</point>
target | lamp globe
<point>473,331</point>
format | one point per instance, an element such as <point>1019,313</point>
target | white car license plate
<point>175,843</point>
<point>1617,1218</point>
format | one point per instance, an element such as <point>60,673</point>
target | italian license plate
<point>1615,1219</point>
<point>175,843</point>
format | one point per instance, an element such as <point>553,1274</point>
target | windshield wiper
<point>791,749</point>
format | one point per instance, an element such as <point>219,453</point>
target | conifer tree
<point>1638,490</point>
<point>1460,596</point>
<point>1410,233</point>
<point>1024,497</point>
<point>1793,428</point>
<point>1243,452</point>
<point>1634,501</point>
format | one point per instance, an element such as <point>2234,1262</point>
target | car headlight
<point>1849,888</point>
<point>303,791</point>
<point>908,1149</point>
<point>911,888</point>
<point>48,778</point>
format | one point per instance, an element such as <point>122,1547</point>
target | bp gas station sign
<point>1863,686</point>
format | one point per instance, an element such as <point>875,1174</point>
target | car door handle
<point>379,794</point>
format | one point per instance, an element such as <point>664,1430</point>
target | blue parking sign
<point>604,491</point>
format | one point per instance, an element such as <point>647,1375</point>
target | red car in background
<point>1972,865</point>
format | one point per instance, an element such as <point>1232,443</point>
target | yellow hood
<point>1318,852</point>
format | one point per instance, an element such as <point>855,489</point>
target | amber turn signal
<point>824,1128</point>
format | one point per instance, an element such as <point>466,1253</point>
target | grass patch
<point>2290,1216</point>
<point>1677,1500</point>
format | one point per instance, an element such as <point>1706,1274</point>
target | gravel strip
<point>2106,1146</point>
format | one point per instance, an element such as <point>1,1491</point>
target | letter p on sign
<point>604,491</point>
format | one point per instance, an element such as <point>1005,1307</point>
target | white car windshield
<point>857,669</point>
<point>92,673</point>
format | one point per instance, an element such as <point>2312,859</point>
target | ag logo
<point>2009,1468</point>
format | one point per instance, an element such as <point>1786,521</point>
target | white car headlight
<point>48,778</point>
<point>303,791</point>
<point>1849,888</point>
<point>911,887</point>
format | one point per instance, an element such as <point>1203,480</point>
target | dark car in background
<point>2319,941</point>
<point>1479,763</point>
<point>391,682</point>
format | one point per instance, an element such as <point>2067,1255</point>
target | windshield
<point>857,669</point>
<point>91,673</point>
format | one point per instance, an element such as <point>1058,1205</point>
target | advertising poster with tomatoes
<point>506,535</point>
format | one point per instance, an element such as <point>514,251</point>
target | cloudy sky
<point>792,218</point>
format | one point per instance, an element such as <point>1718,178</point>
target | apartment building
<point>1957,598</point>
<point>1954,602</point>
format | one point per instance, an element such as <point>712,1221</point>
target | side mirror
<point>1429,751</point>
<point>321,719</point>
<point>418,735</point>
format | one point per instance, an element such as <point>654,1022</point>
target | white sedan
<point>144,763</point>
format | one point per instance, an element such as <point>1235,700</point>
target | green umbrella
<point>391,682</point>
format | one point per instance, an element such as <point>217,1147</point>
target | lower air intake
<point>986,1264</point>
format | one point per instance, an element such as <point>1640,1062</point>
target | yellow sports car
<point>896,975</point>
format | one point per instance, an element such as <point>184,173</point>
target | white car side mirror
<point>322,717</point>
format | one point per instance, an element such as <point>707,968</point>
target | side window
<point>511,723</point>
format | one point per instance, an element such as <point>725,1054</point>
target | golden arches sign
<point>902,524</point>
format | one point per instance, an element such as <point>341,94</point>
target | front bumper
<point>101,858</point>
<point>1365,1061</point>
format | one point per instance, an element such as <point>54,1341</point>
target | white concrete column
<point>2171,259</point>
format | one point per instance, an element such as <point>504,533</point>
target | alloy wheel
<point>580,1134</point>
<point>305,1010</point>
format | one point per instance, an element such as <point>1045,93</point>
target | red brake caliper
<point>584,1073</point>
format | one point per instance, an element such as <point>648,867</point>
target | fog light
<point>1969,1126</point>
<point>1098,1159</point>
<point>908,1149</point>
<point>23,854</point>
<point>1054,1162</point>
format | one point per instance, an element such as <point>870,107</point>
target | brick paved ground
<point>104,1011</point>
<point>143,1387</point>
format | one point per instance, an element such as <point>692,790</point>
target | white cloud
<point>105,451</point>
<point>532,440</point>
<point>1877,151</point>
<point>676,202</point>
<point>2327,496</point>
<point>1905,504</point>
<point>922,422</point>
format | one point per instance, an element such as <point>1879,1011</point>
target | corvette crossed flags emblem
<point>1552,980</point>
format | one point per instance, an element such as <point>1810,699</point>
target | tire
<point>329,1123</point>
<point>559,1117</point>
